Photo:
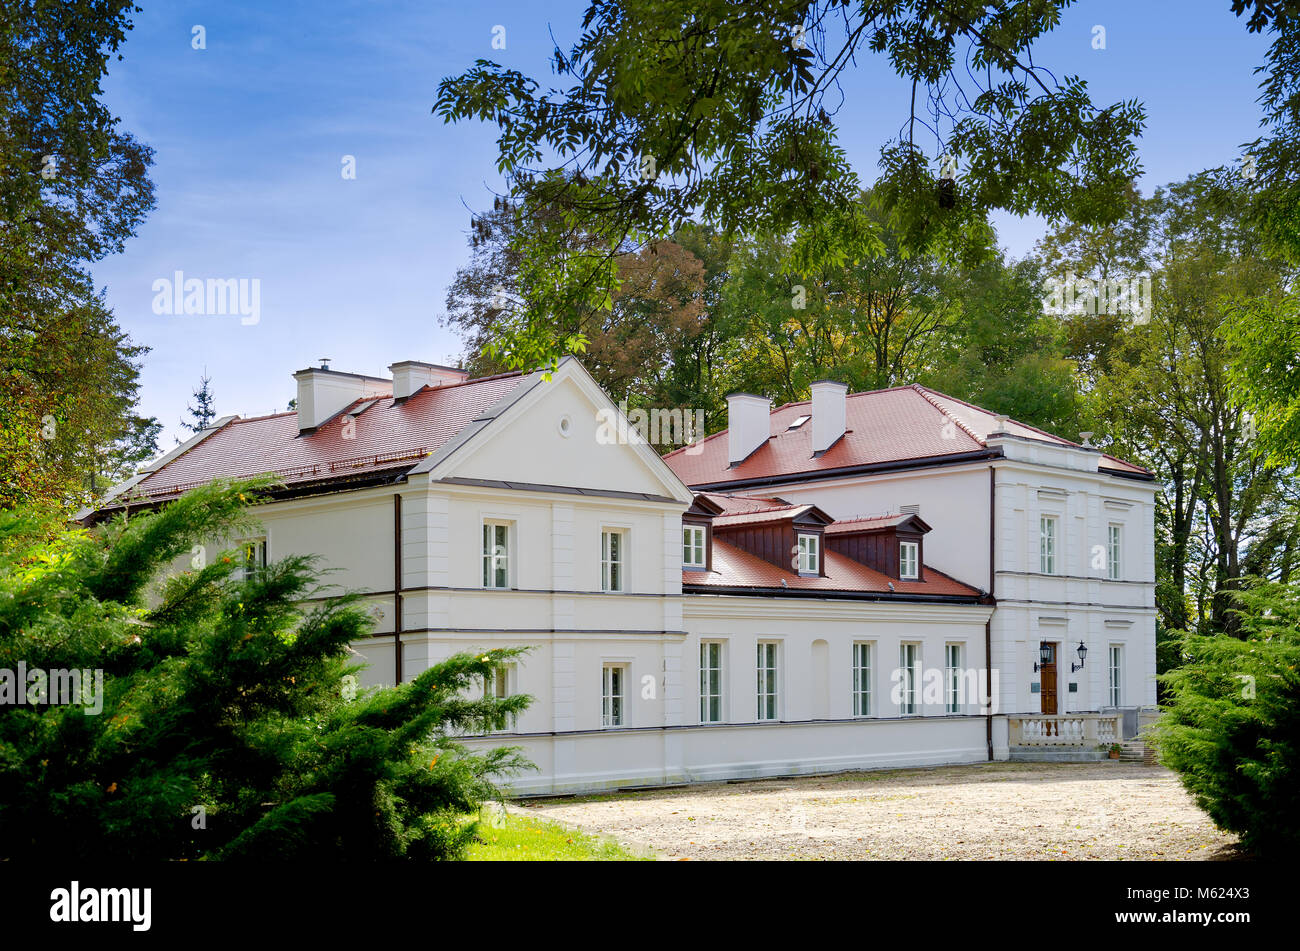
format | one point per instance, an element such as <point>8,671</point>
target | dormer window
<point>909,560</point>
<point>693,550</point>
<point>810,554</point>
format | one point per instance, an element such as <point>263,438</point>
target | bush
<point>1232,729</point>
<point>228,727</point>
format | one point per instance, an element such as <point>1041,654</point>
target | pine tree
<point>229,727</point>
<point>205,412</point>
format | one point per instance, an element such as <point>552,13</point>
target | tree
<point>712,111</point>
<point>1232,727</point>
<point>227,724</point>
<point>204,413</point>
<point>73,188</point>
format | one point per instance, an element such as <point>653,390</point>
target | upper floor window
<point>1114,535</point>
<point>693,555</point>
<point>1047,530</point>
<point>496,555</point>
<point>250,558</point>
<point>908,558</point>
<point>810,558</point>
<point>613,555</point>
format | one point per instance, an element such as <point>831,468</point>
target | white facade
<point>534,466</point>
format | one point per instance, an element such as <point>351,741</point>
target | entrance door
<point>1047,674</point>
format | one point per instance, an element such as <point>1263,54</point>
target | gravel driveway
<point>993,811</point>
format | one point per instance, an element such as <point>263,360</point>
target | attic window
<point>798,422</point>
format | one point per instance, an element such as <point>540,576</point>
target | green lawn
<point>522,839</point>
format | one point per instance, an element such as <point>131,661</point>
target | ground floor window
<point>710,682</point>
<point>952,678</point>
<point>862,680</point>
<point>496,686</point>
<point>611,695</point>
<point>909,659</point>
<point>1116,672</point>
<point>767,681</point>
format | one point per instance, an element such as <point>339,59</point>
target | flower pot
<point>1114,754</point>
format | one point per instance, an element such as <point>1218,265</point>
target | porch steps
<point>1135,751</point>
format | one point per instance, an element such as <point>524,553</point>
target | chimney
<point>411,375</point>
<point>749,424</point>
<point>322,393</point>
<point>829,418</point>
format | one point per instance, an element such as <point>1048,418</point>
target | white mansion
<point>869,579</point>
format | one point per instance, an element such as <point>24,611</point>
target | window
<point>611,695</point>
<point>1115,679</point>
<point>767,681</point>
<point>693,546</point>
<point>810,554</point>
<point>952,678</point>
<point>710,682</point>
<point>1113,536</point>
<point>1047,544</point>
<point>496,555</point>
<point>909,659</point>
<point>908,556</point>
<point>496,686</point>
<point>612,554</point>
<point>250,559</point>
<point>862,680</point>
<point>799,421</point>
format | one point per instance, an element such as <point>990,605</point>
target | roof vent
<point>749,425</point>
<point>322,393</point>
<point>829,414</point>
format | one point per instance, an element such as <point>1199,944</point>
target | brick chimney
<point>322,393</point>
<point>829,415</point>
<point>749,424</point>
<point>410,375</point>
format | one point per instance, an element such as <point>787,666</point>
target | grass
<point>522,839</point>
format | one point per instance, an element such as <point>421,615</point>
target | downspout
<point>988,625</point>
<point>397,586</point>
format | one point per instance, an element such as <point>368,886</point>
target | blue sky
<point>251,134</point>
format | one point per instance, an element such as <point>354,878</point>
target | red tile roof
<point>734,568</point>
<point>902,424</point>
<point>845,526</point>
<point>388,434</point>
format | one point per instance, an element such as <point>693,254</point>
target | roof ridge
<point>925,395</point>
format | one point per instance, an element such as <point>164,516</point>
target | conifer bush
<point>1232,729</point>
<point>230,727</point>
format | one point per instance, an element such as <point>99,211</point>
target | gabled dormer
<point>783,534</point>
<point>697,534</point>
<point>891,544</point>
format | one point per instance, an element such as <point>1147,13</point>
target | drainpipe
<point>397,586</point>
<point>988,625</point>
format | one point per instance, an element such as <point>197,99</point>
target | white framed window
<point>862,680</point>
<point>952,678</point>
<point>767,680</point>
<point>909,556</point>
<point>1115,674</point>
<point>909,667</point>
<point>810,556</point>
<point>612,681</point>
<point>710,682</point>
<point>250,559</point>
<point>497,686</point>
<point>693,554</point>
<point>1047,532</point>
<point>496,554</point>
<point>1114,539</point>
<point>613,560</point>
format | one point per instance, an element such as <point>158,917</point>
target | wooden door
<point>1047,675</point>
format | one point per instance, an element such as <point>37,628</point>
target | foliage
<point>520,838</point>
<point>226,728</point>
<point>204,412</point>
<point>1232,728</point>
<point>670,111</point>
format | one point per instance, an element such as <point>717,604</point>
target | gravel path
<point>994,811</point>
